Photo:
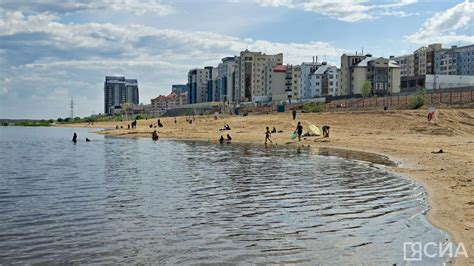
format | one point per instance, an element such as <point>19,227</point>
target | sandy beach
<point>405,136</point>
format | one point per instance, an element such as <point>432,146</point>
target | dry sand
<point>403,135</point>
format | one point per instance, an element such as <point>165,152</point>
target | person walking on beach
<point>175,122</point>
<point>299,130</point>
<point>74,137</point>
<point>268,134</point>
<point>294,113</point>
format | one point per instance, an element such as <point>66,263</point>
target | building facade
<point>465,60</point>
<point>212,92</point>
<point>407,65</point>
<point>254,74</point>
<point>170,101</point>
<point>382,73</point>
<point>119,90</point>
<point>226,79</point>
<point>306,91</point>
<point>348,62</point>
<point>198,84</point>
<point>325,81</point>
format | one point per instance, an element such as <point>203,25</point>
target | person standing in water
<point>154,136</point>
<point>294,113</point>
<point>268,134</point>
<point>74,137</point>
<point>299,130</point>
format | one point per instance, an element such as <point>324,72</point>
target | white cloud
<point>344,10</point>
<point>158,57</point>
<point>137,7</point>
<point>443,27</point>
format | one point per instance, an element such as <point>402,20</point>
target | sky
<point>52,51</point>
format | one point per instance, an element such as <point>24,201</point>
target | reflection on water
<point>136,201</point>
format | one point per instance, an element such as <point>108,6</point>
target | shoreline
<point>401,136</point>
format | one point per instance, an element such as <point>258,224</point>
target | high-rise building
<point>254,74</point>
<point>198,87</point>
<point>212,92</point>
<point>118,90</point>
<point>226,79</point>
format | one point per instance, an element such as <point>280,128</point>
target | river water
<point>116,200</point>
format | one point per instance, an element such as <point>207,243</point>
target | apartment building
<point>212,92</point>
<point>382,73</point>
<point>293,92</point>
<point>465,60</point>
<point>119,90</point>
<point>307,70</point>
<point>170,101</point>
<point>226,79</point>
<point>325,80</point>
<point>198,84</point>
<point>407,65</point>
<point>254,74</point>
<point>348,62</point>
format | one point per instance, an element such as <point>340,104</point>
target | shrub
<point>366,88</point>
<point>313,107</point>
<point>418,99</point>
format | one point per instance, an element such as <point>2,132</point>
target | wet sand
<point>404,136</point>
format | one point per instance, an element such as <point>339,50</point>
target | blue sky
<point>51,50</point>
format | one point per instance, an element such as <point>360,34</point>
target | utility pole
<point>71,105</point>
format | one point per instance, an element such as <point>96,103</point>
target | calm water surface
<point>135,201</point>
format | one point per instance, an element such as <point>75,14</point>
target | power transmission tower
<point>72,108</point>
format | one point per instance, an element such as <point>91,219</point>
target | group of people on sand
<point>226,127</point>
<point>74,138</point>
<point>190,120</point>
<point>225,140</point>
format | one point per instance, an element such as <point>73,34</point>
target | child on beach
<point>299,130</point>
<point>268,134</point>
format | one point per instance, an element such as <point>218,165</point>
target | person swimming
<point>87,140</point>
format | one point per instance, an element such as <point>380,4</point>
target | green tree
<point>366,88</point>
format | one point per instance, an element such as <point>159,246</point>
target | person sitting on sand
<point>151,125</point>
<point>159,123</point>
<point>221,140</point>
<point>268,134</point>
<point>274,130</point>
<point>229,138</point>
<point>299,130</point>
<point>154,136</point>
<point>74,137</point>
